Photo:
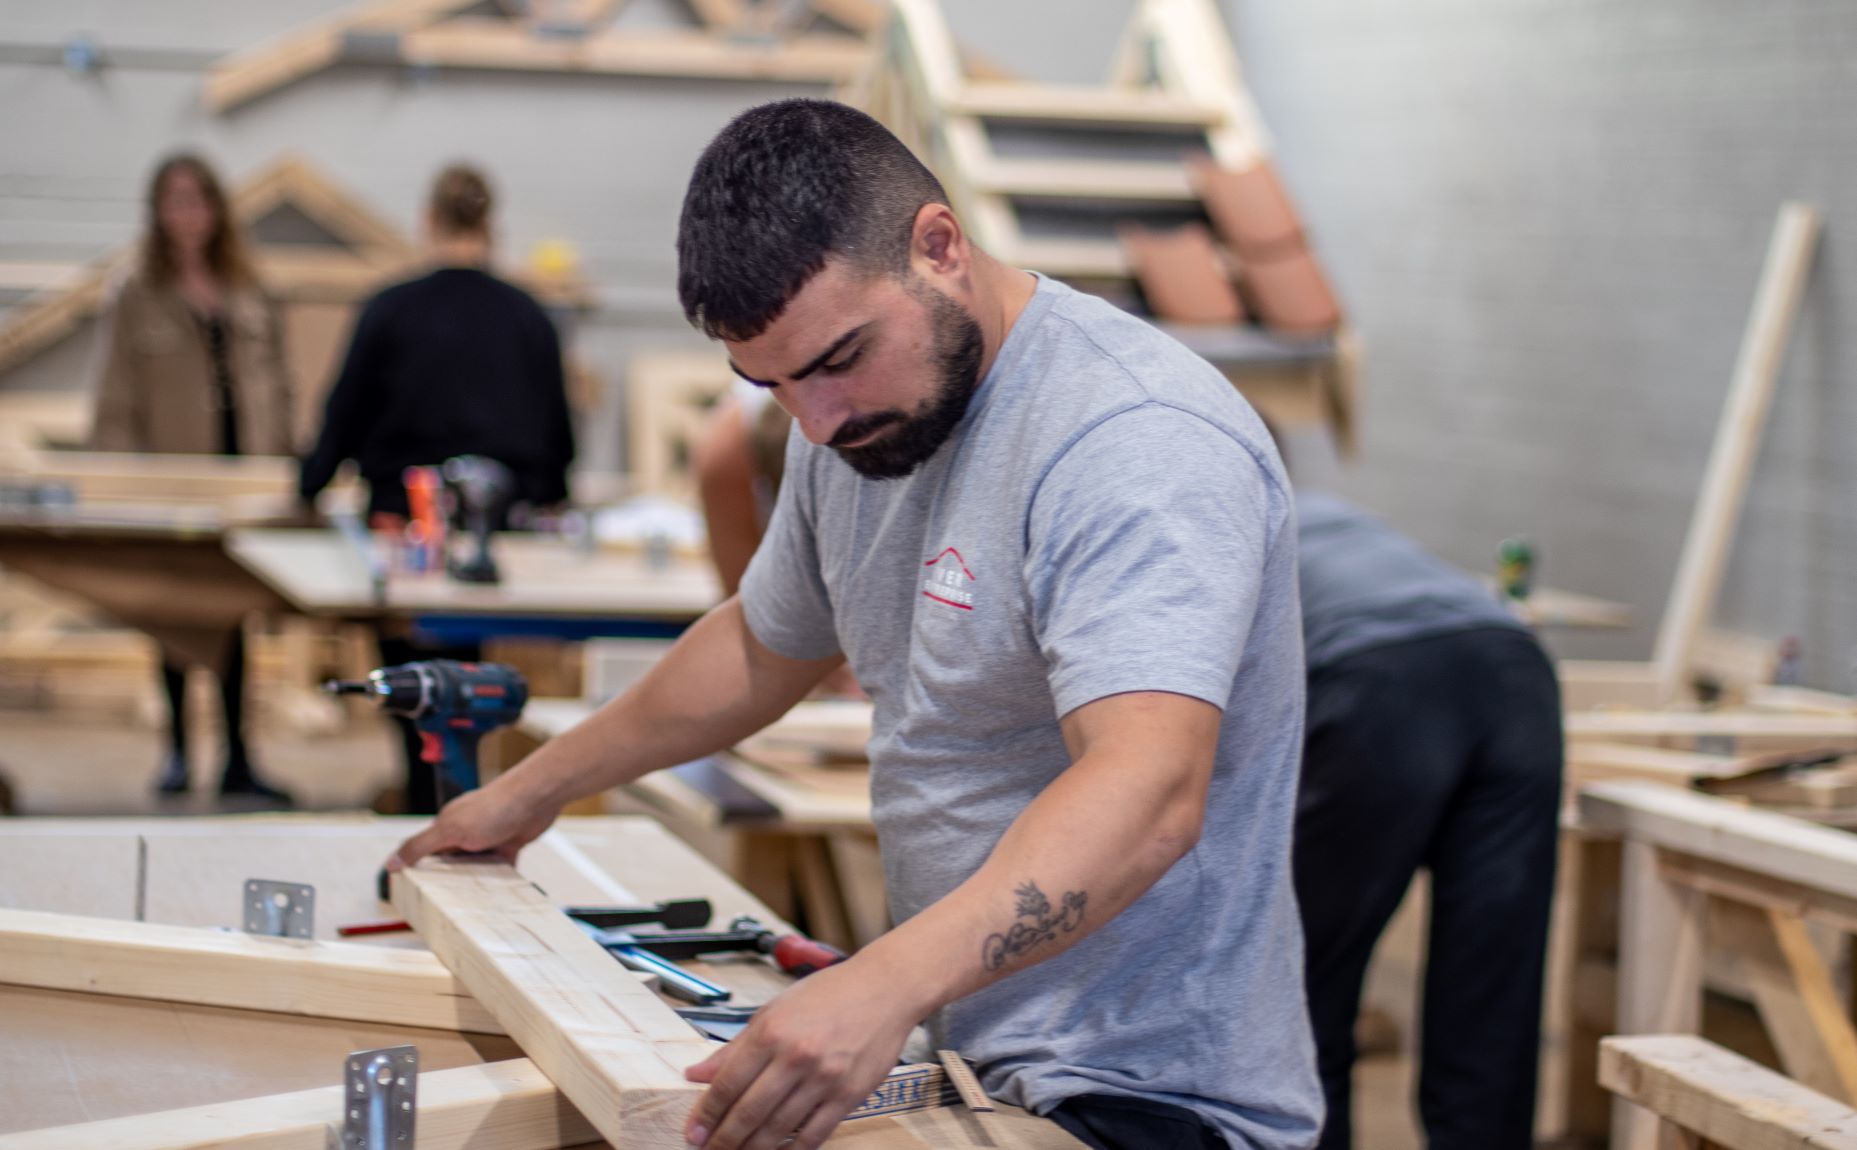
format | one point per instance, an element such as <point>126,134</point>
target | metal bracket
<point>284,909</point>
<point>378,1100</point>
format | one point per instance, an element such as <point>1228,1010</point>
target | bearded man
<point>1058,550</point>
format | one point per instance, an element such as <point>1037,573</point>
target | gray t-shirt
<point>1365,586</point>
<point>1110,516</point>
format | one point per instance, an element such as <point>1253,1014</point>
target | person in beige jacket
<point>193,363</point>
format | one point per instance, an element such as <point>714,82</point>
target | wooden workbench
<point>68,1057</point>
<point>159,570</point>
<point>317,572</point>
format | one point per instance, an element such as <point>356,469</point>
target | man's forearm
<point>1087,848</point>
<point>717,686</point>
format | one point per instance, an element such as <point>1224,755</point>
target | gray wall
<point>1545,216</point>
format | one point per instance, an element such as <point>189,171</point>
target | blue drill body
<point>452,705</point>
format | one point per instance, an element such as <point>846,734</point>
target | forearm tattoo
<point>1038,923</point>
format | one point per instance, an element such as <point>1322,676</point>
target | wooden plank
<point>1771,844</point>
<point>614,1049</point>
<point>1660,971</point>
<point>508,1105</point>
<point>1798,700</point>
<point>1082,104</point>
<point>491,44</point>
<point>223,968</point>
<point>1084,180</point>
<point>1794,994</point>
<point>719,15</point>
<point>248,74</point>
<point>1730,723</point>
<point>1723,1097</point>
<point>1588,683</point>
<point>1737,439</point>
<point>1193,57</point>
<point>864,17</point>
<point>1760,890</point>
<point>1591,761</point>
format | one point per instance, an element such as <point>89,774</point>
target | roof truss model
<point>817,41</point>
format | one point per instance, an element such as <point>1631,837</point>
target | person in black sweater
<point>456,362</point>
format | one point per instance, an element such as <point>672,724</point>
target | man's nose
<point>817,410</point>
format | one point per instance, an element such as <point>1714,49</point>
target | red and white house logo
<point>948,580</point>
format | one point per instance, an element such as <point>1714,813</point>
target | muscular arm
<point>1130,806</point>
<point>717,686</point>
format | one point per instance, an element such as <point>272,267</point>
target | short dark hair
<point>460,202</point>
<point>782,187</point>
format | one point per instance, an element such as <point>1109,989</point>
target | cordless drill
<point>452,704</point>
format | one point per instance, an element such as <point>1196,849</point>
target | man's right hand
<point>478,821</point>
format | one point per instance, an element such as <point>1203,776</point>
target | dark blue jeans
<point>1115,1122</point>
<point>1444,753</point>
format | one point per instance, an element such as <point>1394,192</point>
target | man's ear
<point>938,246</point>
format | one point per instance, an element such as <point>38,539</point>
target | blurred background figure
<point>1433,740</point>
<point>194,364</point>
<point>739,462</point>
<point>455,362</point>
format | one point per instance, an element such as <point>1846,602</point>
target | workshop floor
<point>77,766</point>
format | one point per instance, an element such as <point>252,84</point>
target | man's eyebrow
<point>816,363</point>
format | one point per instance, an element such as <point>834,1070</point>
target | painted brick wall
<point>1547,217</point>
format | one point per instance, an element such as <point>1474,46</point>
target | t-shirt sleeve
<point>783,594</point>
<point>1148,542</point>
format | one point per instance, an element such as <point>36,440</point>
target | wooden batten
<point>496,1106</point>
<point>1708,1092</point>
<point>221,968</point>
<point>611,1045</point>
<point>1737,439</point>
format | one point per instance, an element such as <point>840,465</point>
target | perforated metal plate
<point>379,1102</point>
<point>284,909</point>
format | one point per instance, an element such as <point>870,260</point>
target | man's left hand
<point>810,1057</point>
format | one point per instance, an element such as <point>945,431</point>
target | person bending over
<point>1434,740</point>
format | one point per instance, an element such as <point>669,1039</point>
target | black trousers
<point>1115,1122</point>
<point>1443,753</point>
<point>231,700</point>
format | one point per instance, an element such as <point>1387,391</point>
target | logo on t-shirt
<point>948,580</point>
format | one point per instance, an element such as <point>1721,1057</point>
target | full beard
<point>913,439</point>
